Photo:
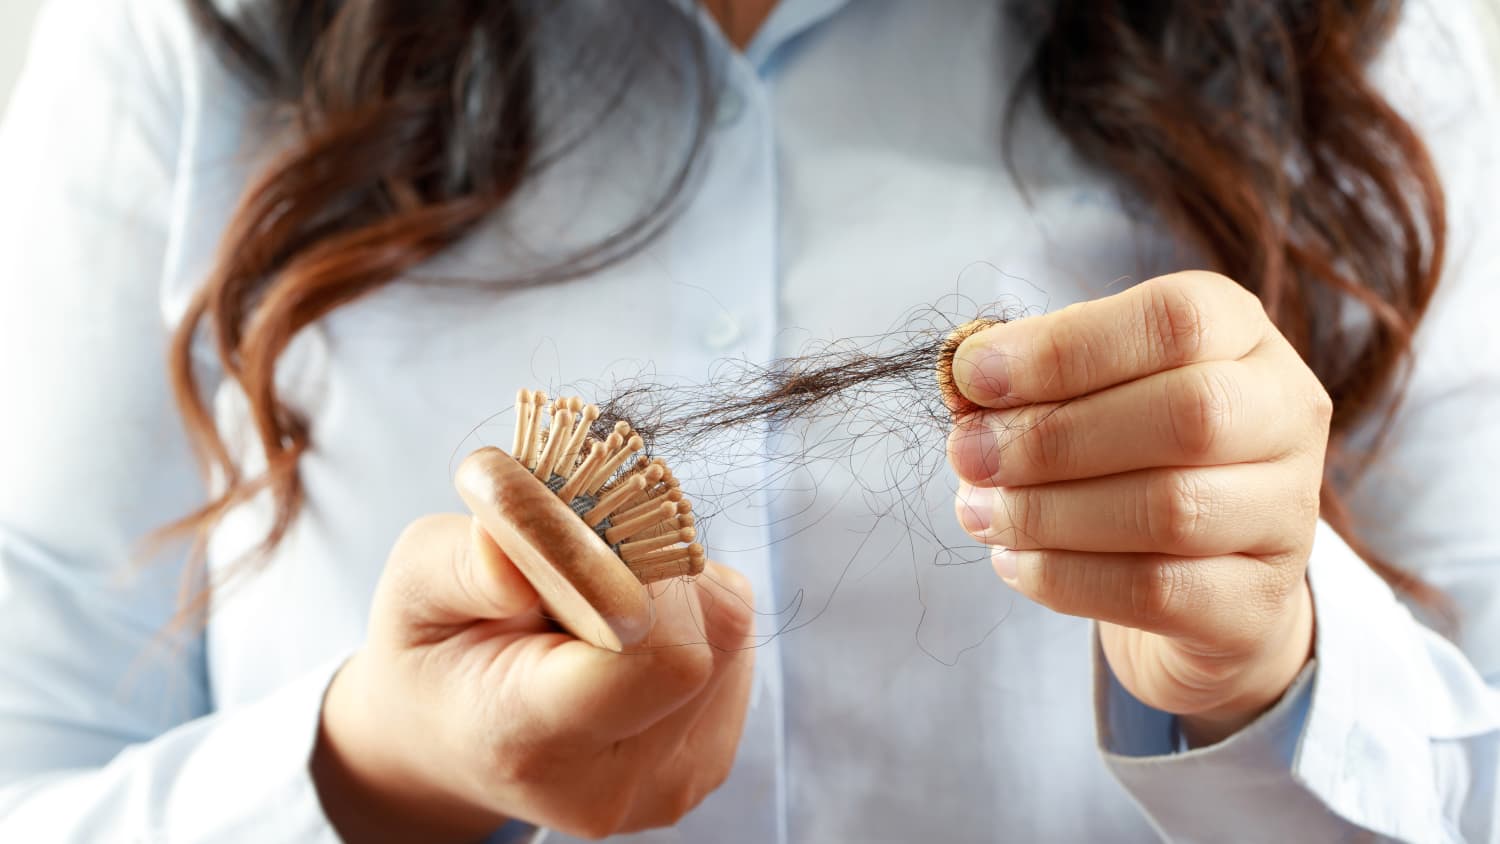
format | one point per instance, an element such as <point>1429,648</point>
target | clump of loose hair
<point>828,380</point>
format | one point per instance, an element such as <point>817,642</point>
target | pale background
<point>16,17</point>
<point>15,27</point>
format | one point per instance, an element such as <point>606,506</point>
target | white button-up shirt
<point>854,173</point>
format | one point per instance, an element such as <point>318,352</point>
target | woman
<point>669,184</point>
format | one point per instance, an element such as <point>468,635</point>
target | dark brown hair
<point>1249,126</point>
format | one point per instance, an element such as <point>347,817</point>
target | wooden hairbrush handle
<point>583,584</point>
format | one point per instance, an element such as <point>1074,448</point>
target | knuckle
<point>423,526</point>
<point>1175,321</point>
<point>606,817</point>
<point>736,582</point>
<point>518,764</point>
<point>1322,405</point>
<point>1158,592</point>
<point>718,773</point>
<point>736,607</point>
<point>1202,406</point>
<point>669,804</point>
<point>1274,587</point>
<point>1244,298</point>
<point>408,577</point>
<point>728,602</point>
<point>687,797</point>
<point>1309,503</point>
<point>1301,503</point>
<point>682,671</point>
<point>609,811</point>
<point>737,616</point>
<point>729,612</point>
<point>417,537</point>
<point>1179,510</point>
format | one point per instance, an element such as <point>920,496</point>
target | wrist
<point>369,788</point>
<point>1263,684</point>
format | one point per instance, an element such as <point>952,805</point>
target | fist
<point>1153,460</point>
<point>465,707</point>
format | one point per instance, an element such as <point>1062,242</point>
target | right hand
<point>465,708</point>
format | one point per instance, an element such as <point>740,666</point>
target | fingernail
<point>976,505</point>
<point>973,451</point>
<point>981,372</point>
<point>1005,563</point>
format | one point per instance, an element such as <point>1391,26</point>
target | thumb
<point>446,570</point>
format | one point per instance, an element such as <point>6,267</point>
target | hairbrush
<point>586,518</point>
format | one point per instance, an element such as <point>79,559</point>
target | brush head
<point>633,503</point>
<point>585,517</point>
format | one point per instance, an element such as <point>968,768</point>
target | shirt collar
<point>788,20</point>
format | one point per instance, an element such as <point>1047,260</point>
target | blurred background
<point>15,29</point>
<point>16,17</point>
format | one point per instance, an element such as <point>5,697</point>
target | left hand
<point>1153,460</point>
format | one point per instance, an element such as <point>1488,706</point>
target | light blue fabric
<point>854,174</point>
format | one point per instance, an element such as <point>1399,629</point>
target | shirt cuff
<point>1240,789</point>
<point>1319,764</point>
<point>265,747</point>
<point>1387,688</point>
<point>238,775</point>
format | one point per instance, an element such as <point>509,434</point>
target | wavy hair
<point>1249,126</point>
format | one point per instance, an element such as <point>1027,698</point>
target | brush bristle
<point>636,506</point>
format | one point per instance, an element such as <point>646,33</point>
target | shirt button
<point>731,106</point>
<point>722,332</point>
